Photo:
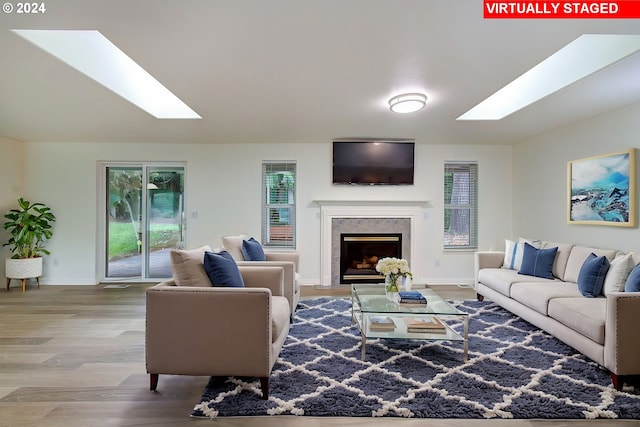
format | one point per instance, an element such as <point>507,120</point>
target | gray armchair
<point>287,259</point>
<point>217,331</point>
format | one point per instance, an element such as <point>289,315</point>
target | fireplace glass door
<point>360,252</point>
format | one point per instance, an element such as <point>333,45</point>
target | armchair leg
<point>153,381</point>
<point>264,385</point>
<point>480,297</point>
<point>617,381</point>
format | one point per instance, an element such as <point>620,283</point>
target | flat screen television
<point>373,162</point>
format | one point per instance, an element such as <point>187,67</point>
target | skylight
<point>94,55</point>
<point>580,58</point>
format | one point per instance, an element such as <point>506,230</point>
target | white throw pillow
<point>512,255</point>
<point>536,243</point>
<point>617,275</point>
<point>233,245</point>
<point>188,266</point>
<point>514,250</point>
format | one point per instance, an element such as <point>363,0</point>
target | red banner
<point>621,9</point>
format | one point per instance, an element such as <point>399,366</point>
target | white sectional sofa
<point>605,328</point>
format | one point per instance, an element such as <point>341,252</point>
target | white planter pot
<point>23,268</point>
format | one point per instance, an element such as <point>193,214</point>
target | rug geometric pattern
<point>514,370</point>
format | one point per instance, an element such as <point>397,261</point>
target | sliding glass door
<point>164,217</point>
<point>144,219</point>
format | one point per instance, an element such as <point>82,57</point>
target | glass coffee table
<point>369,302</point>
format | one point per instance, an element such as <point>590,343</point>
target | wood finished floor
<point>73,356</point>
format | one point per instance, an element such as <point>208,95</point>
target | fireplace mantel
<point>329,209</point>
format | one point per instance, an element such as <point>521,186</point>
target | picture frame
<point>602,190</point>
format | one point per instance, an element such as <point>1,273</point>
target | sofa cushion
<point>501,279</point>
<point>222,270</point>
<point>252,250</point>
<point>233,245</point>
<point>536,295</point>
<point>187,266</point>
<point>633,281</point>
<point>577,257</point>
<point>592,274</point>
<point>538,262</point>
<point>584,315</point>
<point>619,270</point>
<point>280,316</point>
<point>560,264</point>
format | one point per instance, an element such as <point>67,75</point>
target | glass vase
<point>391,286</point>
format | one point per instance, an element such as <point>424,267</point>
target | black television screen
<point>373,162</point>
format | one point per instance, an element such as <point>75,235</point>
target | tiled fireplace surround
<point>368,217</point>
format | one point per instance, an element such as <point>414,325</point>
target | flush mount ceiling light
<point>94,55</point>
<point>408,103</point>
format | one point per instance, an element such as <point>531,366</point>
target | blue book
<point>411,295</point>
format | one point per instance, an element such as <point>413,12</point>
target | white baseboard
<point>465,282</point>
<point>69,282</point>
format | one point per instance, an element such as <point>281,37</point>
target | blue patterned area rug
<point>514,370</point>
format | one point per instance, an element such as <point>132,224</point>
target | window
<point>460,205</point>
<point>279,204</point>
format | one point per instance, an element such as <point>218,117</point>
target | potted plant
<point>30,227</point>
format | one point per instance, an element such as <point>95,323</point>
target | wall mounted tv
<point>382,162</point>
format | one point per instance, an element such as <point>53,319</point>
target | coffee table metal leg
<point>353,312</point>
<point>363,350</point>
<point>466,337</point>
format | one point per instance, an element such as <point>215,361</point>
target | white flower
<point>391,265</point>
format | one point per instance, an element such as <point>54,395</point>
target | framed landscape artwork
<point>602,190</point>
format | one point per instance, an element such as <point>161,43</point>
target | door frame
<point>101,217</point>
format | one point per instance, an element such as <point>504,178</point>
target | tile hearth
<point>366,226</point>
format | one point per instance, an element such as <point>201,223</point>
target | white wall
<point>522,192</point>
<point>540,179</point>
<point>11,179</point>
<point>223,188</point>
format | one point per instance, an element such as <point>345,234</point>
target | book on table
<point>425,325</point>
<point>381,323</point>
<point>412,297</point>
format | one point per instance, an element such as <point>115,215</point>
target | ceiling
<point>300,71</point>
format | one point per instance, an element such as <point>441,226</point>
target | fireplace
<point>360,252</point>
<point>363,216</point>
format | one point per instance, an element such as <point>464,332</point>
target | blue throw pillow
<point>252,250</point>
<point>592,274</point>
<point>538,262</point>
<point>633,281</point>
<point>222,270</point>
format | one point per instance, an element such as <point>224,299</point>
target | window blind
<point>460,205</point>
<point>279,203</point>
